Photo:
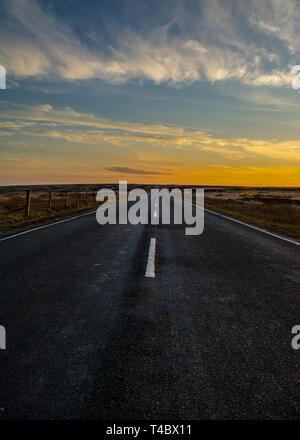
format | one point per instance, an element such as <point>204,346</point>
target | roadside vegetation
<point>275,209</point>
<point>279,214</point>
<point>12,223</point>
<point>13,218</point>
<point>48,204</point>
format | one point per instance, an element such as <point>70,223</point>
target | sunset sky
<point>151,91</point>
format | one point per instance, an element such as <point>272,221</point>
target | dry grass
<point>11,223</point>
<point>277,213</point>
<point>81,198</point>
<point>12,209</point>
<point>276,209</point>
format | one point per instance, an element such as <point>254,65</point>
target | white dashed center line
<point>150,269</point>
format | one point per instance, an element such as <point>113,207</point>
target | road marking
<point>46,226</point>
<point>251,226</point>
<point>150,268</point>
<point>56,223</point>
<point>289,240</point>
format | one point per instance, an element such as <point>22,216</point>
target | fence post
<point>50,200</point>
<point>27,203</point>
<point>76,200</point>
<point>86,198</point>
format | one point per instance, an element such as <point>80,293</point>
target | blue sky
<point>179,91</point>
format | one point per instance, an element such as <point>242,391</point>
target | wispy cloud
<point>86,128</point>
<point>279,20</point>
<point>35,42</point>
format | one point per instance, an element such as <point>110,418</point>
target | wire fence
<point>28,201</point>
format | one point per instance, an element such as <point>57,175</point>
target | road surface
<point>90,337</point>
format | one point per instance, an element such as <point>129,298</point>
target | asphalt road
<point>89,337</point>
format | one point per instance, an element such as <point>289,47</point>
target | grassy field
<point>66,201</point>
<point>13,220</point>
<point>11,223</point>
<point>277,210</point>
